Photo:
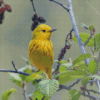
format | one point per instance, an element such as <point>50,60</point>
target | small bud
<point>2,9</point>
<point>81,88</point>
<point>34,25</point>
<point>35,17</point>
<point>67,47</point>
<point>8,8</point>
<point>41,20</point>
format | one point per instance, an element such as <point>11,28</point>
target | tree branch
<point>70,33</point>
<point>69,87</point>
<point>60,4</point>
<point>76,29</point>
<point>83,93</point>
<point>90,96</point>
<point>96,80</point>
<point>14,66</point>
<point>76,82</point>
<point>14,71</point>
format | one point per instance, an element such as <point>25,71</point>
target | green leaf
<point>74,94</point>
<point>6,95</point>
<point>92,67</point>
<point>62,61</point>
<point>36,95</point>
<point>67,76</point>
<point>15,78</point>
<point>79,63</point>
<point>33,77</point>
<point>81,72</point>
<point>91,27</point>
<point>27,69</point>
<point>80,58</point>
<point>97,42</point>
<point>84,37</point>
<point>85,80</point>
<point>62,68</point>
<point>48,87</point>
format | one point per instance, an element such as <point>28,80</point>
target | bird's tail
<point>50,73</point>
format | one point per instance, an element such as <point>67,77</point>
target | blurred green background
<point>15,35</point>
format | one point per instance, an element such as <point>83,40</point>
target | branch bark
<point>76,29</point>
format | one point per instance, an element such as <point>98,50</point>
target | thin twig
<point>24,91</point>
<point>90,81</point>
<point>12,71</point>
<point>64,87</point>
<point>33,6</point>
<point>69,87</point>
<point>60,4</point>
<point>90,96</point>
<point>14,66</point>
<point>88,40</point>
<point>90,90</point>
<point>67,37</point>
<point>76,82</point>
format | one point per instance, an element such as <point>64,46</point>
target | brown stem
<point>24,90</point>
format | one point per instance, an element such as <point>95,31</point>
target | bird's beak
<point>52,30</point>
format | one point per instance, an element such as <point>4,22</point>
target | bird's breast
<point>41,53</point>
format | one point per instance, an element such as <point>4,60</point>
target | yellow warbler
<point>41,50</point>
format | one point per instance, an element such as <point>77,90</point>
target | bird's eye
<point>44,30</point>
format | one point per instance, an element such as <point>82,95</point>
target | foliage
<point>84,37</point>
<point>6,95</point>
<point>97,42</point>
<point>74,94</point>
<point>81,57</point>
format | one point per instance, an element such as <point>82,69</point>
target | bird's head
<point>42,31</point>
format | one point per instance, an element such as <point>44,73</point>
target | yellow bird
<point>41,49</point>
